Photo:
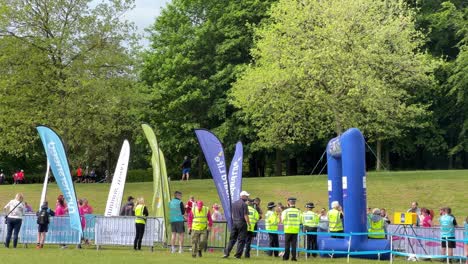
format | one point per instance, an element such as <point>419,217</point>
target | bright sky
<point>144,14</point>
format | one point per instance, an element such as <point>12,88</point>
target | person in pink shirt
<point>61,209</point>
<point>426,217</point>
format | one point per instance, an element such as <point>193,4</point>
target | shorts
<point>43,228</point>
<point>185,170</point>
<point>178,227</point>
<point>451,244</point>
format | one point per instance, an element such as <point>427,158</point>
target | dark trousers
<point>274,243</point>
<point>239,234</point>
<point>290,244</point>
<point>248,243</point>
<point>311,240</point>
<point>13,224</point>
<point>140,231</point>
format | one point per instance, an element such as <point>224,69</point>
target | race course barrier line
<point>120,230</point>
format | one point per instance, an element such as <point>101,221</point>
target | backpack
<point>43,217</point>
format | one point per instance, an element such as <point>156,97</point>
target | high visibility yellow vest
<point>310,219</point>
<point>253,218</point>
<point>335,223</point>
<point>140,218</point>
<point>291,220</point>
<point>271,221</point>
<point>377,227</point>
<point>200,220</point>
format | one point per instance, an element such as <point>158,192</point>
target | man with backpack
<point>43,223</point>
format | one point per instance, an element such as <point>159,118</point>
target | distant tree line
<point>282,76</point>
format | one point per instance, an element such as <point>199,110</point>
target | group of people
<point>17,177</point>
<point>86,176</point>
<point>17,208</point>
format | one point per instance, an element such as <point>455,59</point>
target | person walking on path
<point>199,223</point>
<point>177,218</point>
<point>14,218</point>
<point>186,165</point>
<point>240,223</point>
<point>141,213</point>
<point>291,220</point>
<point>43,220</point>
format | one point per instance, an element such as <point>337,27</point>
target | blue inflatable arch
<point>347,185</point>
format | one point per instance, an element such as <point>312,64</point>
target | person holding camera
<point>14,218</point>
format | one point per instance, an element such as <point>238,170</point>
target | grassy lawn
<point>53,255</point>
<point>392,190</point>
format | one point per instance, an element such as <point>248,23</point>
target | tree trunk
<point>292,166</point>
<point>200,165</point>
<point>387,158</point>
<point>278,166</point>
<point>379,155</point>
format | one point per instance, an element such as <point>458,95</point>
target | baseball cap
<point>244,193</point>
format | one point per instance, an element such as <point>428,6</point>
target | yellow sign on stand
<point>402,218</point>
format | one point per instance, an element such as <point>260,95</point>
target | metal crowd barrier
<point>422,244</point>
<point>217,237</point>
<point>120,230</point>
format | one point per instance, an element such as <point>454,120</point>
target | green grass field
<point>392,190</point>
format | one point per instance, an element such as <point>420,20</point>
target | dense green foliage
<point>282,76</point>
<point>70,67</point>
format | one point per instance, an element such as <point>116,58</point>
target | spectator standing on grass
<point>310,220</point>
<point>177,218</point>
<point>384,215</point>
<point>272,218</point>
<point>253,219</point>
<point>14,211</point>
<point>240,224</point>
<point>2,177</point>
<point>291,219</point>
<point>323,221</point>
<point>61,209</point>
<point>27,208</point>
<point>190,203</point>
<point>447,231</point>
<point>335,219</point>
<point>415,209</point>
<point>79,174</point>
<point>377,225</point>
<point>199,223</point>
<point>128,208</point>
<point>186,165</point>
<point>141,213</point>
<point>426,218</point>
<point>43,220</point>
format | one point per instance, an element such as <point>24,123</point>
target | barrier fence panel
<point>411,241</point>
<point>121,231</point>
<point>3,229</point>
<point>59,231</point>
<point>217,237</point>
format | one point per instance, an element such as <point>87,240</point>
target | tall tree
<point>69,66</point>
<point>324,66</point>
<point>196,49</point>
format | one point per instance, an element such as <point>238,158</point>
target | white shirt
<point>18,212</point>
